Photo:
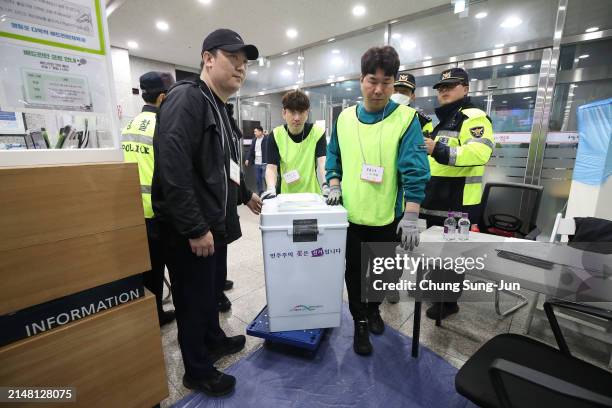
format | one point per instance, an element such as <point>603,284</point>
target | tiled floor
<point>458,338</point>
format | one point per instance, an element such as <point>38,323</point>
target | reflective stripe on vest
<point>457,140</point>
<point>137,145</point>
<point>371,203</point>
<point>300,157</point>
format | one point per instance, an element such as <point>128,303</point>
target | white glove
<point>325,190</point>
<point>269,193</point>
<point>335,195</point>
<point>410,231</point>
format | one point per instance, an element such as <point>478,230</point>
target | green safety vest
<point>300,157</point>
<point>470,149</point>
<point>137,145</point>
<point>369,203</point>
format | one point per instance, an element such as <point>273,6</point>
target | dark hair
<point>151,97</point>
<point>212,51</point>
<point>385,58</point>
<point>296,100</point>
<point>259,128</point>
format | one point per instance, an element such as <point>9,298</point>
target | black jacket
<point>191,176</point>
<point>264,150</point>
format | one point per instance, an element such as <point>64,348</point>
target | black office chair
<point>511,209</point>
<point>512,370</point>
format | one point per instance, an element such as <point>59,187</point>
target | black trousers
<point>194,288</point>
<point>154,278</point>
<point>221,252</point>
<point>354,276</point>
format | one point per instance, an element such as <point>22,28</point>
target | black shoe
<point>361,341</point>
<point>375,323</point>
<point>229,345</point>
<point>224,303</point>
<point>166,317</point>
<point>228,285</point>
<point>393,296</point>
<point>215,385</point>
<point>448,308</point>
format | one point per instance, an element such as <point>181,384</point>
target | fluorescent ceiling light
<point>359,10</point>
<point>474,79</point>
<point>526,66</point>
<point>291,33</point>
<point>285,53</point>
<point>132,44</point>
<point>509,66</point>
<point>335,51</point>
<point>583,56</point>
<point>290,62</point>
<point>527,97</point>
<point>162,25</point>
<point>331,39</point>
<point>591,29</point>
<point>205,1</point>
<point>480,15</point>
<point>504,101</point>
<point>349,89</point>
<point>511,22</point>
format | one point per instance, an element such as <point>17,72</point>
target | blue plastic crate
<point>306,339</point>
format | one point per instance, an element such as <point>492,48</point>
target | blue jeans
<point>260,175</point>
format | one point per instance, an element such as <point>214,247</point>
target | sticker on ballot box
<point>291,176</point>
<point>372,174</point>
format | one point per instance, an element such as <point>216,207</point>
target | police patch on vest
<point>477,131</point>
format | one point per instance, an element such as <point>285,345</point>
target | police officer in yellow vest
<point>137,145</point>
<point>296,150</point>
<point>459,149</point>
<point>377,166</point>
<point>405,87</point>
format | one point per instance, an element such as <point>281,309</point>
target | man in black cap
<point>404,87</point>
<point>137,145</point>
<point>196,188</point>
<point>459,148</point>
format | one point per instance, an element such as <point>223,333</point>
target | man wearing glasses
<point>459,148</point>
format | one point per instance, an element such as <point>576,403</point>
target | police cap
<point>405,80</point>
<point>453,76</point>
<point>153,82</point>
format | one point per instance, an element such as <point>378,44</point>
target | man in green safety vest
<point>459,148</point>
<point>296,150</point>
<point>405,87</point>
<point>377,166</point>
<point>137,145</point>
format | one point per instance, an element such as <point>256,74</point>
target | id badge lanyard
<point>370,173</point>
<point>293,175</point>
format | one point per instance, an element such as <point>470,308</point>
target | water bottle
<point>463,227</point>
<point>449,227</point>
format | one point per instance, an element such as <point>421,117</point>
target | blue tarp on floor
<point>337,377</point>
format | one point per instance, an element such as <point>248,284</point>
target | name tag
<point>291,176</point>
<point>234,172</point>
<point>372,174</point>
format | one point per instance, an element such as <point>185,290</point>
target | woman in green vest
<point>296,150</point>
<point>377,165</point>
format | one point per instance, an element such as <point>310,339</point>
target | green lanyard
<point>382,124</point>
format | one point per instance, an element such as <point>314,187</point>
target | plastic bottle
<point>463,228</point>
<point>450,225</point>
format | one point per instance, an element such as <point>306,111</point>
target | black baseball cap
<point>453,76</point>
<point>230,41</point>
<point>152,82</point>
<point>405,80</point>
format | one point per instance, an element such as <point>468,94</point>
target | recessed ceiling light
<point>132,44</point>
<point>583,56</point>
<point>331,39</point>
<point>285,53</point>
<point>290,62</point>
<point>511,22</point>
<point>527,66</point>
<point>205,1</point>
<point>291,33</point>
<point>162,25</point>
<point>427,57</point>
<point>527,97</point>
<point>254,72</point>
<point>285,72</point>
<point>509,66</point>
<point>591,29</point>
<point>480,15</point>
<point>396,36</point>
<point>359,10</point>
<point>499,45</point>
<point>349,89</point>
<point>335,51</point>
